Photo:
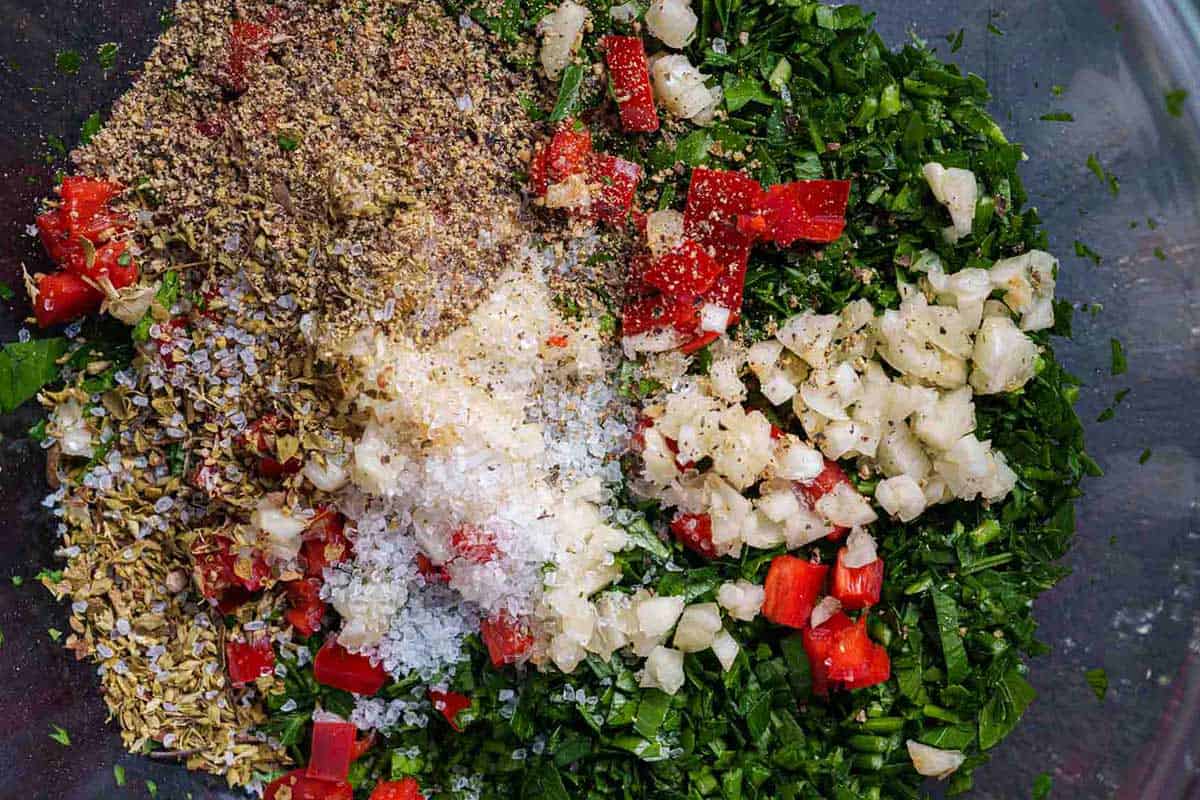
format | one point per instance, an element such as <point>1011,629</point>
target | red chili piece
<point>325,542</point>
<point>248,661</point>
<point>686,271</point>
<point>613,182</point>
<point>508,640</point>
<point>714,201</point>
<point>814,211</point>
<point>332,750</point>
<point>792,588</point>
<point>407,789</point>
<point>296,785</point>
<point>625,57</point>
<point>307,610</point>
<point>63,297</point>
<point>449,704</point>
<point>823,484</point>
<point>337,667</point>
<point>694,531</point>
<point>857,587</point>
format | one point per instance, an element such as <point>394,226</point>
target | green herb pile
<point>810,91</point>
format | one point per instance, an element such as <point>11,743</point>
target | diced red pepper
<point>715,199</point>
<point>508,640</point>
<point>62,242</point>
<point>539,168</point>
<point>53,232</point>
<point>686,271</point>
<point>248,45</point>
<point>218,568</point>
<point>829,478</point>
<point>434,573</point>
<point>636,287</point>
<point>811,210</point>
<point>332,750</point>
<point>83,198</point>
<point>337,667</point>
<point>449,704</point>
<point>407,789</point>
<point>109,260</point>
<point>857,587</point>
<point>659,313</point>
<point>568,152</point>
<point>703,340</point>
<point>296,785</point>
<point>474,544</point>
<point>307,610</point>
<point>558,340</point>
<point>325,542</point>
<point>818,644</point>
<point>613,182</point>
<point>362,746</point>
<point>63,297</point>
<point>694,531</point>
<point>792,588</point>
<point>249,661</point>
<point>856,661</point>
<point>259,440</point>
<point>630,73</point>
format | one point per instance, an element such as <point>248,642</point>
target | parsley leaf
<point>91,126</point>
<point>6,291</point>
<point>1097,679</point>
<point>1175,100</point>
<point>106,54</point>
<point>119,774</point>
<point>25,367</point>
<point>1119,362</point>
<point>60,735</point>
<point>1042,785</point>
<point>1058,116</point>
<point>568,93</point>
<point>68,62</point>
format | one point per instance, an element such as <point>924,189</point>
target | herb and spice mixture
<point>509,399</point>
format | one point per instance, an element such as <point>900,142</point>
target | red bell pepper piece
<point>449,704</point>
<point>248,45</point>
<point>811,210</point>
<point>823,484</point>
<point>227,578</point>
<point>337,667</point>
<point>109,260</point>
<point>703,340</point>
<point>434,573</point>
<point>508,640</point>
<point>62,240</point>
<point>83,198</point>
<point>539,171</point>
<point>818,644</point>
<point>715,199</point>
<point>856,661</point>
<point>474,544</point>
<point>248,661</point>
<point>332,750</point>
<point>613,182</point>
<point>792,588</point>
<point>296,785</point>
<point>259,439</point>
<point>694,531</point>
<point>630,74</point>
<point>857,587</point>
<point>407,789</point>
<point>62,297</point>
<point>307,610</point>
<point>325,542</point>
<point>658,313</point>
<point>686,271</point>
<point>568,151</point>
<point>362,746</point>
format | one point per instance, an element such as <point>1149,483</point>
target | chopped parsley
<point>60,735</point>
<point>119,774</point>
<point>1058,116</point>
<point>6,291</point>
<point>25,367</point>
<point>287,143</point>
<point>1174,101</point>
<point>1145,456</point>
<point>1119,363</point>
<point>106,54</point>
<point>1097,679</point>
<point>91,126</point>
<point>68,62</point>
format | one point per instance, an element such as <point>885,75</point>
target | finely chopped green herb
<point>956,615</point>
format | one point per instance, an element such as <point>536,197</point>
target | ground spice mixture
<point>314,171</point>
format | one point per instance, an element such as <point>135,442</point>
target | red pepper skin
<point>337,667</point>
<point>569,150</point>
<point>856,661</point>
<point>625,57</point>
<point>857,587</point>
<point>218,569</point>
<point>613,182</point>
<point>694,531</point>
<point>792,588</point>
<point>325,542</point>
<point>508,640</point>
<point>362,746</point>
<point>657,313</point>
<point>83,198</point>
<point>814,211</point>
<point>63,297</point>
<point>818,644</point>
<point>686,271</point>
<point>332,750</point>
<point>407,789</point>
<point>449,704</point>
<point>259,438</point>
<point>474,544</point>
<point>248,661</point>
<point>823,484</point>
<point>296,785</point>
<point>307,610</point>
<point>703,340</point>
